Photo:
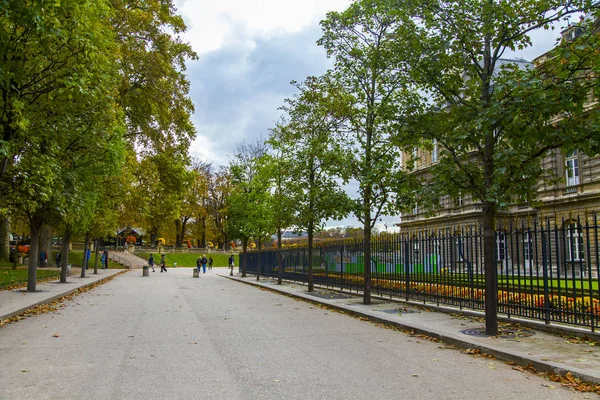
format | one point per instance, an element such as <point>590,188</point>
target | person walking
<point>87,258</point>
<point>199,263</point>
<point>231,264</point>
<point>151,262</point>
<point>210,262</point>
<point>102,256</point>
<point>163,263</point>
<point>57,259</point>
<point>105,259</point>
<point>43,258</point>
<point>204,261</point>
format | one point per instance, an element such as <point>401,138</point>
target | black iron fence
<point>547,269</point>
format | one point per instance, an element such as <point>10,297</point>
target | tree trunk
<point>65,254</point>
<point>96,258</point>
<point>34,226</point>
<point>86,245</point>
<point>178,238</point>
<point>4,238</point>
<point>279,258</point>
<point>245,251</point>
<point>489,208</point>
<point>183,225</point>
<point>491,272</point>
<point>258,260</point>
<point>46,240</point>
<point>203,236</point>
<point>367,261</point>
<point>311,285</point>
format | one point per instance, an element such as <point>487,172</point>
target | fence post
<point>545,271</point>
<point>342,267</point>
<point>406,266</point>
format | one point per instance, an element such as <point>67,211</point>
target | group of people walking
<point>163,263</point>
<point>43,259</point>
<point>201,263</point>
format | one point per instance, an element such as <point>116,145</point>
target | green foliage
<point>495,119</point>
<point>372,95</point>
<point>154,88</point>
<point>249,211</point>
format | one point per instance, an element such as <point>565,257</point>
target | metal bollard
<point>196,273</point>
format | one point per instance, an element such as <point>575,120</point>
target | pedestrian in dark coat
<point>163,263</point>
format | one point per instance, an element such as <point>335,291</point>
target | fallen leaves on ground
<point>570,381</point>
<point>55,304</point>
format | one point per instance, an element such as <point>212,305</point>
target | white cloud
<point>211,24</point>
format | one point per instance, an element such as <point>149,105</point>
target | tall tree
<point>493,118</point>
<point>247,199</point>
<point>219,189</point>
<point>363,42</point>
<point>277,165</point>
<point>57,86</point>
<point>154,88</point>
<point>317,153</point>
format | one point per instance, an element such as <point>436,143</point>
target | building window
<point>572,168</point>
<point>416,209</point>
<point>500,246</point>
<point>527,249</point>
<point>574,242</point>
<point>434,152</point>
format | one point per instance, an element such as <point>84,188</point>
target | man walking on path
<point>210,262</point>
<point>204,261</point>
<point>231,264</point>
<point>151,262</point>
<point>163,263</point>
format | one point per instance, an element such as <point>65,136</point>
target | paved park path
<point>171,336</point>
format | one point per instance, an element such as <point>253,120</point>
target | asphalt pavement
<point>565,349</point>
<point>523,345</point>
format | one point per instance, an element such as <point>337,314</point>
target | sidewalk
<point>524,346</point>
<point>14,302</point>
<point>17,301</point>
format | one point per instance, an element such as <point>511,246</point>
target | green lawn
<point>9,277</point>
<point>189,260</point>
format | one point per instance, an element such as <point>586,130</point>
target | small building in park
<point>131,233</point>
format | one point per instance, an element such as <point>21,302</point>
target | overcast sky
<point>249,51</point>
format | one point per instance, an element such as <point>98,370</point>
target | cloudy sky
<point>249,51</point>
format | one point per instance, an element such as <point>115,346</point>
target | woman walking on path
<point>163,263</point>
<point>151,262</point>
<point>210,262</point>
